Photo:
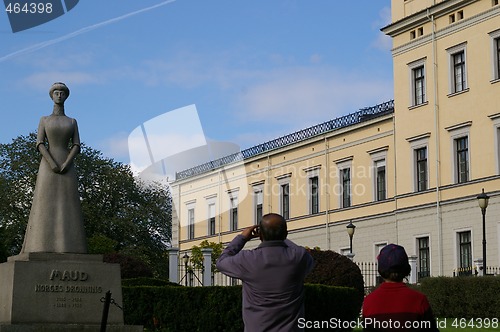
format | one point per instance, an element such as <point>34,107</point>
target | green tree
<point>197,255</point>
<point>121,214</point>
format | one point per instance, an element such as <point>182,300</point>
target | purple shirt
<point>273,282</point>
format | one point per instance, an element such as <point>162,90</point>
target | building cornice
<point>423,16</point>
<point>446,31</point>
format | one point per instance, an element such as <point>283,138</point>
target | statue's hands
<point>64,168</point>
<point>55,168</point>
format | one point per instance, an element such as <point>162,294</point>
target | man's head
<point>393,263</point>
<point>273,227</point>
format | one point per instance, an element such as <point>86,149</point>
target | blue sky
<point>255,70</point>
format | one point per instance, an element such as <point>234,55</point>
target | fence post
<point>207,266</point>
<point>173,265</point>
<point>413,264</point>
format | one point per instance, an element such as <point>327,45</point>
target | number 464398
<point>29,8</point>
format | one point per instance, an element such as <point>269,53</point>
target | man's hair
<point>273,227</point>
<point>396,274</point>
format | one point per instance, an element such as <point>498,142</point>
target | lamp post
<point>350,230</point>
<point>482,200</point>
<point>185,259</point>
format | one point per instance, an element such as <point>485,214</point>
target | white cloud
<point>310,95</point>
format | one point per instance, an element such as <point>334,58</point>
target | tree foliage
<point>120,213</point>
<point>197,255</point>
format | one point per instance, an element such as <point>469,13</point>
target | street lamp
<point>482,200</point>
<point>185,259</point>
<point>350,230</point>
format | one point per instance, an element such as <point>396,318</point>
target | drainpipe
<point>327,187</point>
<point>437,142</point>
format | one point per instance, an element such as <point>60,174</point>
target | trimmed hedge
<point>219,308</point>
<point>463,297</point>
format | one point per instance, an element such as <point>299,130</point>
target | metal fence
<point>362,115</point>
<point>371,278</point>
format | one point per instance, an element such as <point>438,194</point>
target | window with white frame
<point>460,152</point>
<point>190,223</point>
<point>461,145</point>
<point>313,189</point>
<point>423,265</point>
<point>417,82</point>
<point>233,212</point>
<point>421,175</point>
<point>284,192</point>
<point>458,69</point>
<point>464,240</point>
<point>495,50</point>
<point>211,219</point>
<point>379,157</point>
<point>377,247</point>
<point>344,171</point>
<point>420,165</point>
<point>495,118</point>
<point>258,201</point>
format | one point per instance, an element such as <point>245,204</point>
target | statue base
<point>59,292</point>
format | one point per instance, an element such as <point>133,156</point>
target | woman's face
<point>59,96</point>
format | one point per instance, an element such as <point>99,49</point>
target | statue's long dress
<point>55,223</point>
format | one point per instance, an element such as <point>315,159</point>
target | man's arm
<point>229,262</point>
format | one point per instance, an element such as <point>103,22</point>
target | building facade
<point>406,171</point>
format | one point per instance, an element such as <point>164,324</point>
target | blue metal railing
<point>362,115</point>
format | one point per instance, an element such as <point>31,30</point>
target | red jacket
<point>396,307</point>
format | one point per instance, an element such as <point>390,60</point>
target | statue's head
<point>58,86</point>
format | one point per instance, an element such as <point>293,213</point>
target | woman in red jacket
<point>393,306</point>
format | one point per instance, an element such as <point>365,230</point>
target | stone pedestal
<point>58,292</point>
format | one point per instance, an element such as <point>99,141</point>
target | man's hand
<point>251,232</point>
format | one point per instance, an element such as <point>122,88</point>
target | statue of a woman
<point>55,223</point>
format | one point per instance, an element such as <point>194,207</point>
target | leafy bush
<point>334,269</point>
<point>463,297</point>
<point>130,267</point>
<point>147,282</point>
<point>219,308</point>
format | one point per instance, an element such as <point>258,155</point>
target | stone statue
<point>55,223</point>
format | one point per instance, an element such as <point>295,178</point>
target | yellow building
<point>407,174</point>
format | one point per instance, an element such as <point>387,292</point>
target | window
<point>462,159</point>
<point>452,18</point>
<point>458,69</point>
<point>285,200</point>
<point>421,168</point>
<point>465,253</point>
<point>258,199</point>
<point>233,214</point>
<point>211,219</point>
<point>497,57</point>
<point>495,49</point>
<point>417,78</point>
<point>379,246</point>
<point>345,177</point>
<point>314,194</point>
<point>418,82</point>
<point>460,151</point>
<point>423,257</point>
<point>191,223</point>
<point>379,176</point>
<point>380,180</point>
<point>344,185</point>
<point>284,194</point>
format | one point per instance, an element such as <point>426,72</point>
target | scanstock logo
<point>26,14</point>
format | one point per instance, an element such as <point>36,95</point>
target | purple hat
<point>392,257</point>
